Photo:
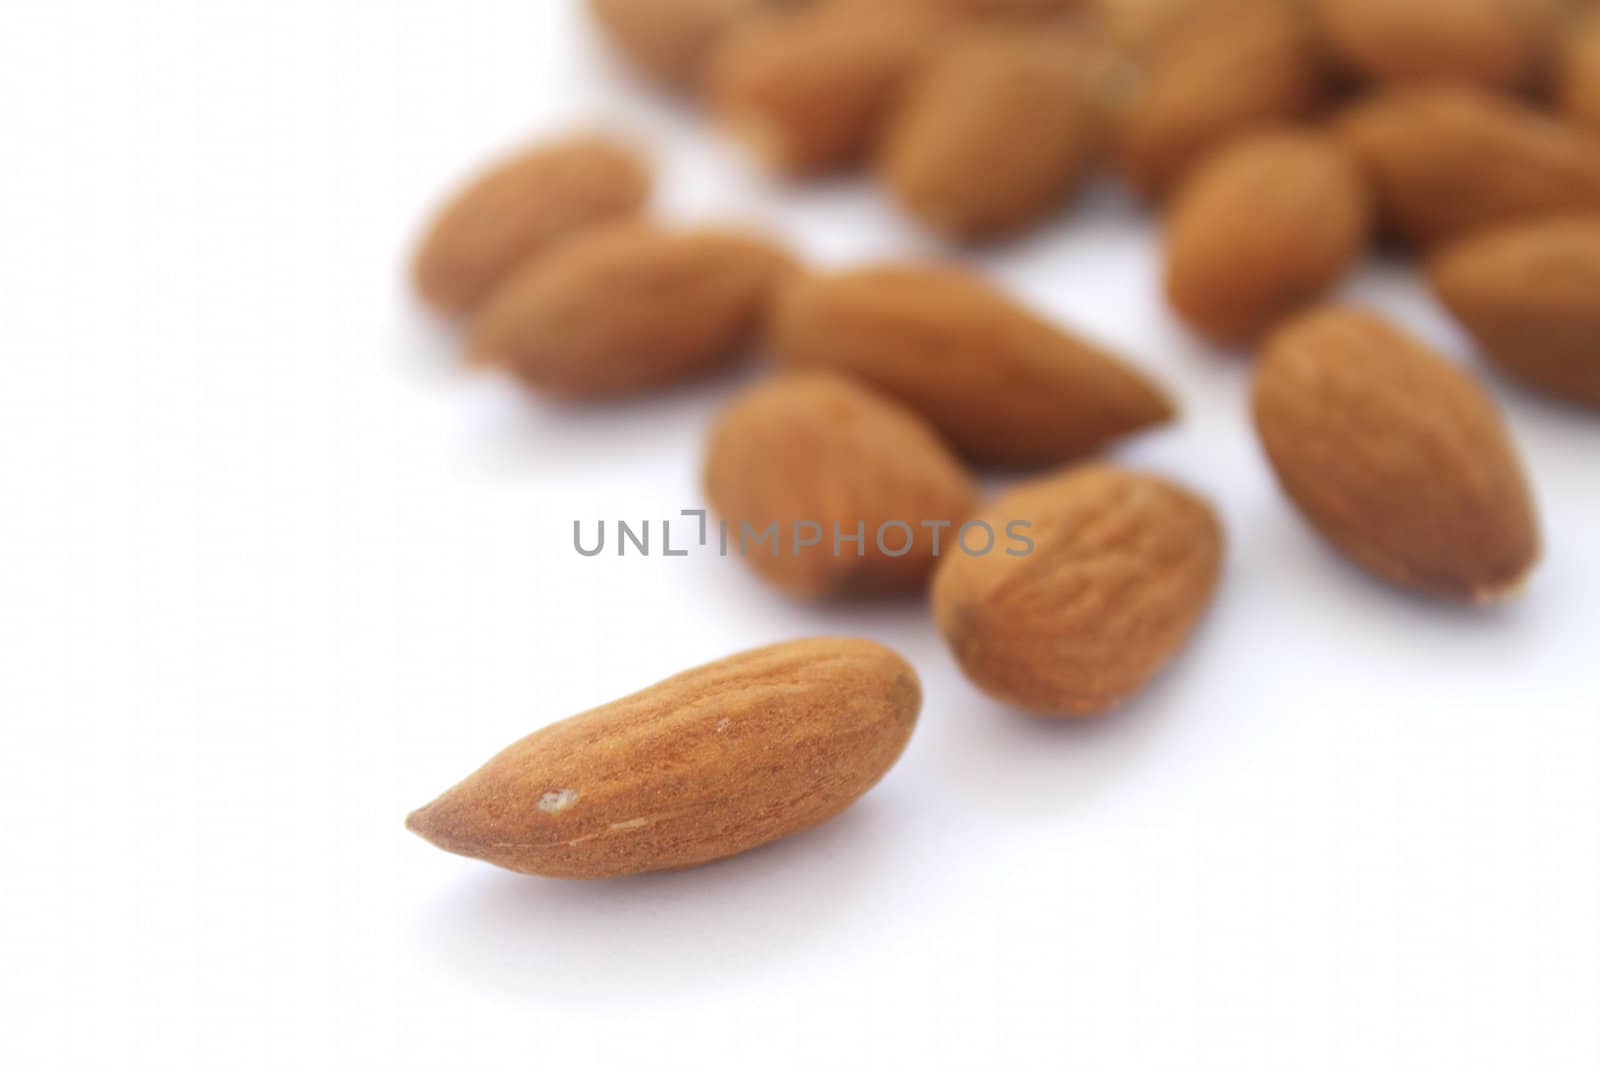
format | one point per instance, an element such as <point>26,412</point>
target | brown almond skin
<point>1578,84</point>
<point>1497,44</point>
<point>1530,297</point>
<point>816,447</point>
<point>1247,64</point>
<point>1448,160</point>
<point>671,40</point>
<point>629,308</point>
<point>1268,223</point>
<point>1397,456</point>
<point>809,91</point>
<point>521,209</point>
<point>954,158</point>
<point>1000,384</point>
<point>705,765</point>
<point>1123,565</point>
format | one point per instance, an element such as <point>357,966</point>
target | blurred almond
<point>1578,88</point>
<point>671,40</point>
<point>1119,568</point>
<point>707,764</point>
<point>1265,225</point>
<point>630,307</point>
<point>1498,44</point>
<point>519,210</point>
<point>818,457</point>
<point>1447,160</point>
<point>999,383</point>
<point>809,91</point>
<point>1247,64</point>
<point>955,157</point>
<point>1396,455</point>
<point>1530,296</point>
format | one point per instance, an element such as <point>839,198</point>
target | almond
<point>1578,88</point>
<point>999,383</point>
<point>954,157</point>
<point>1265,225</point>
<point>820,458</point>
<point>707,764</point>
<point>1121,567</point>
<point>1530,296</point>
<point>973,9</point>
<point>1498,44</point>
<point>809,91</point>
<point>629,308</point>
<point>1447,160</point>
<point>1247,64</point>
<point>519,210</point>
<point>671,40</point>
<point>1397,456</point>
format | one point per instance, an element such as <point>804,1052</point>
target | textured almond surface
<point>1530,295</point>
<point>1498,44</point>
<point>814,447</point>
<point>1123,565</point>
<point>1578,89</point>
<point>630,307</point>
<point>1263,226</point>
<point>707,764</point>
<point>810,91</point>
<point>671,40</point>
<point>1248,64</point>
<point>999,383</point>
<point>1447,160</point>
<point>955,158</point>
<point>521,209</point>
<point>1399,457</point>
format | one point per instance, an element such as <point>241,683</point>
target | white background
<point>276,570</point>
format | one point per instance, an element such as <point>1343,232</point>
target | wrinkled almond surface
<point>1447,160</point>
<point>1123,565</point>
<point>955,157</point>
<point>520,210</point>
<point>816,448</point>
<point>999,383</point>
<point>1396,455</point>
<point>630,307</point>
<point>707,764</point>
<point>1260,228</point>
<point>1530,296</point>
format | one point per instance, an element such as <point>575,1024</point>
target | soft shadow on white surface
<point>657,936</point>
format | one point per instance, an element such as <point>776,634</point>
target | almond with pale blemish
<point>1247,64</point>
<point>1265,225</point>
<point>521,209</point>
<point>813,457</point>
<point>809,91</point>
<point>998,382</point>
<point>1114,569</point>
<point>629,308</point>
<point>955,158</point>
<point>1447,160</point>
<point>1497,44</point>
<point>705,765</point>
<point>671,40</point>
<point>1530,297</point>
<point>1396,455</point>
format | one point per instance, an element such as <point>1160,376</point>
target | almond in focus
<point>630,307</point>
<point>1122,566</point>
<point>1398,457</point>
<point>1265,225</point>
<point>999,383</point>
<point>705,765</point>
<point>819,450</point>
<point>521,209</point>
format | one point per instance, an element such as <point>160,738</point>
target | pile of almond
<point>1280,140</point>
